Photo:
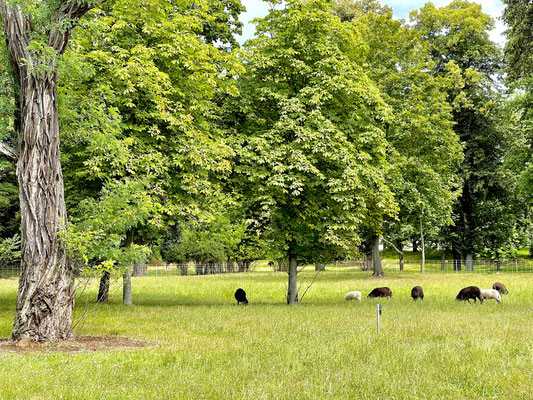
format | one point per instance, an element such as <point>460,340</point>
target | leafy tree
<point>226,239</point>
<point>140,109</point>
<point>9,251</point>
<point>518,15</point>
<point>484,215</point>
<point>311,155</point>
<point>424,151</point>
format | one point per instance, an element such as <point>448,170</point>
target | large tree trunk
<point>45,295</point>
<point>376,259</point>
<point>292,292</point>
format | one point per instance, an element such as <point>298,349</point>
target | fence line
<point>389,266</point>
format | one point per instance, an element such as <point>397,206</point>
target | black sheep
<point>380,292</point>
<point>240,296</point>
<point>500,287</point>
<point>470,292</point>
<point>417,293</point>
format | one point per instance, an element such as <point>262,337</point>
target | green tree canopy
<point>311,153</point>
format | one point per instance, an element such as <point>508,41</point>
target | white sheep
<point>488,294</point>
<point>354,295</point>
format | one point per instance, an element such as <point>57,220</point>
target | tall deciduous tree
<point>140,110</point>
<point>518,15</point>
<point>311,155</point>
<point>484,215</point>
<point>37,33</point>
<point>424,151</point>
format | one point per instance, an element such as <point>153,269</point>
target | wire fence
<point>449,266</point>
<point>162,270</point>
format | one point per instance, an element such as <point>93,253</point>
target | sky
<point>259,8</point>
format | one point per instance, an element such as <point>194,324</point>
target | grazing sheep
<point>353,295</point>
<point>470,292</point>
<point>500,287</point>
<point>240,296</point>
<point>417,293</point>
<point>380,292</point>
<point>488,294</point>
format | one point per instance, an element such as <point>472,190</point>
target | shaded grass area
<point>207,347</point>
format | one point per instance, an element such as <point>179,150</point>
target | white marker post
<point>379,315</point>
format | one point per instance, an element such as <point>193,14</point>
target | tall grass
<point>207,347</point>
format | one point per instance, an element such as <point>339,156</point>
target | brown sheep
<point>500,287</point>
<point>380,292</point>
<point>470,292</point>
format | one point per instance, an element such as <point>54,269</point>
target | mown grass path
<point>207,347</point>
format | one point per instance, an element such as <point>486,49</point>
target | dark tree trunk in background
<point>415,245</point>
<point>244,265</point>
<point>103,289</point>
<point>320,267</point>
<point>367,262</point>
<point>230,266</point>
<point>45,294</point>
<point>376,259</point>
<point>292,292</point>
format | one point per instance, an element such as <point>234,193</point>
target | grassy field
<point>204,346</point>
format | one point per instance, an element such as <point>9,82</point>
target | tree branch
<point>392,244</point>
<point>8,151</point>
<point>17,31</point>
<point>66,19</point>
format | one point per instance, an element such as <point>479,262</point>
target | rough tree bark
<point>45,295</point>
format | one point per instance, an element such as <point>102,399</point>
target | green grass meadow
<point>204,346</point>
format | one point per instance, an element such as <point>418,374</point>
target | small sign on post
<point>379,315</point>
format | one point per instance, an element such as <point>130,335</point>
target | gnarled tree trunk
<point>45,295</point>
